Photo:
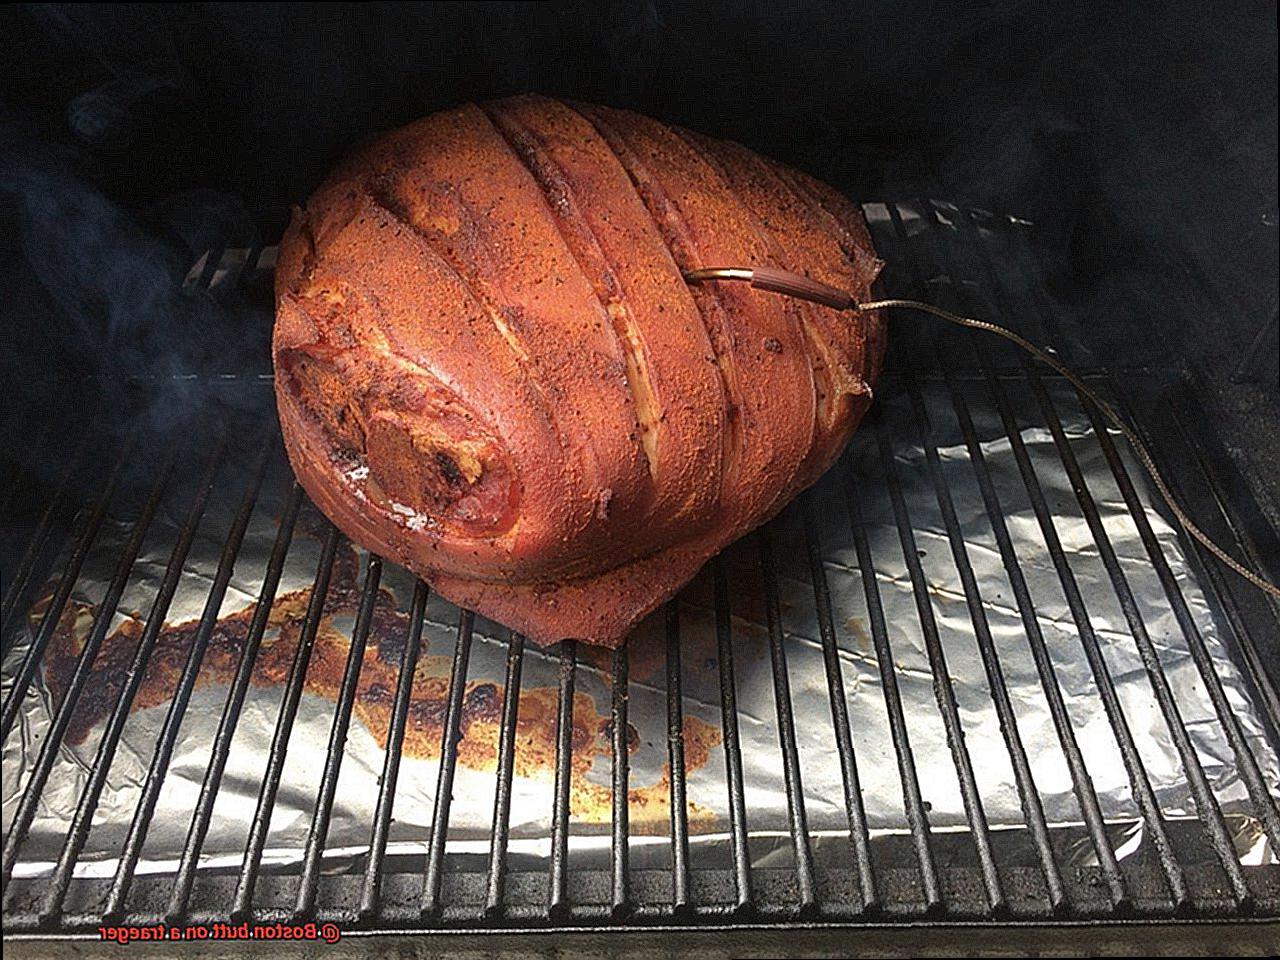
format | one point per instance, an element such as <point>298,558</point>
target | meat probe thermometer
<point>792,284</point>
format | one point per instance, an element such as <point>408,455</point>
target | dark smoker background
<point>1141,139</point>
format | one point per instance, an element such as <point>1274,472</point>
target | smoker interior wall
<point>1141,138</point>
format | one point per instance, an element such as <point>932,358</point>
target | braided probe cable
<point>795,285</point>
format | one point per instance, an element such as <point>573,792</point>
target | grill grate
<point>1180,866</point>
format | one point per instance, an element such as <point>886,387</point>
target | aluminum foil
<point>532,800</point>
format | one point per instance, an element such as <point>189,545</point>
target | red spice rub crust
<point>490,370</point>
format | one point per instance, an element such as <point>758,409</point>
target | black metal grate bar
<point>1145,797</point>
<point>1249,770</point>
<point>1138,778</point>
<point>1257,525</point>
<point>675,761</point>
<point>786,727</point>
<point>132,850</point>
<point>1029,797</point>
<point>242,902</point>
<point>319,831</point>
<point>913,802</point>
<point>370,893</point>
<point>1082,784</point>
<point>732,743</point>
<point>619,736</point>
<point>450,735</point>
<point>1210,813</point>
<point>241,268</point>
<point>859,834</point>
<point>1236,522</point>
<point>61,594</point>
<point>1033,811</point>
<point>1254,668</point>
<point>943,690</point>
<point>209,267</point>
<point>82,821</point>
<point>496,881</point>
<point>49,749</point>
<point>558,895</point>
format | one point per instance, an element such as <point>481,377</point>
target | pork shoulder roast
<point>490,369</point>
